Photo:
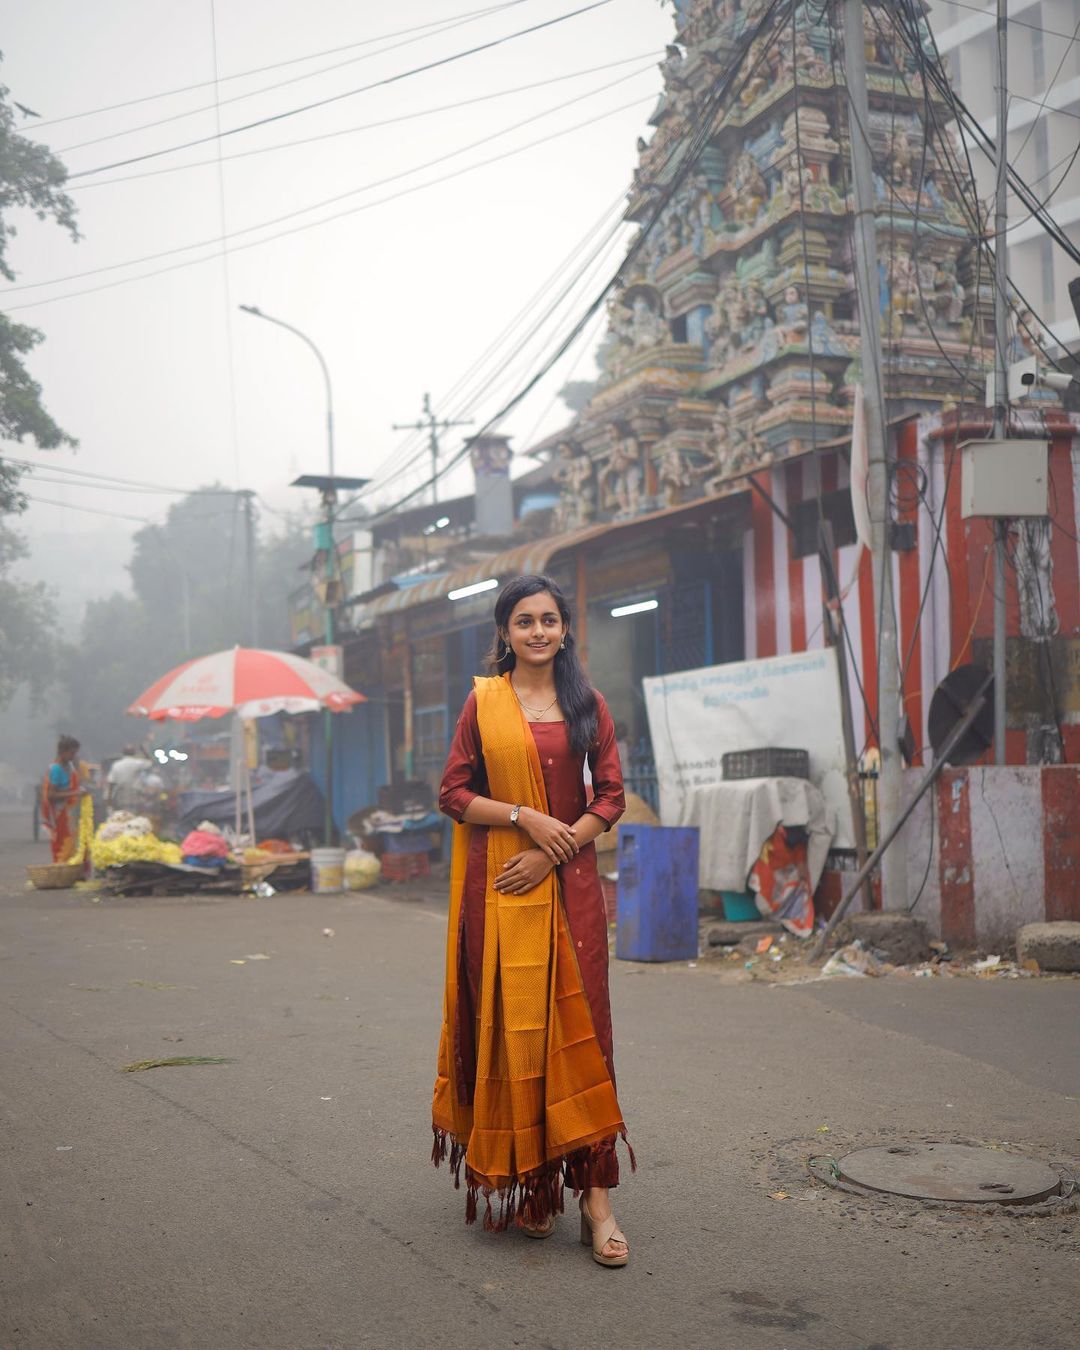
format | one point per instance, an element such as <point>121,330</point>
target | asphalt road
<point>285,1201</point>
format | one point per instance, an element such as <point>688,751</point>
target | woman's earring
<point>504,653</point>
<point>562,645</point>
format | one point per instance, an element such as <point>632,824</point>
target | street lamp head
<point>252,309</point>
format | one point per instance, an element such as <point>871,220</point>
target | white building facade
<point>1043,127</point>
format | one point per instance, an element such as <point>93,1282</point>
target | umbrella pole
<point>250,801</point>
<point>237,740</point>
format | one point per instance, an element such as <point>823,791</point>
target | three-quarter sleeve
<point>464,777</point>
<point>608,800</point>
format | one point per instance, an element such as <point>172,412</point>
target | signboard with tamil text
<point>698,716</point>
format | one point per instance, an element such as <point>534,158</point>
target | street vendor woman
<point>61,797</point>
<point>525,1091</point>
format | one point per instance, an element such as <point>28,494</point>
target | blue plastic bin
<point>658,893</point>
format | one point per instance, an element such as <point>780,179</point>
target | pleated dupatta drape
<point>543,1091</point>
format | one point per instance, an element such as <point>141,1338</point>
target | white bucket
<point>327,870</point>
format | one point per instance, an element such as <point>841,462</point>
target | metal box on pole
<point>658,893</point>
<point>1004,479</point>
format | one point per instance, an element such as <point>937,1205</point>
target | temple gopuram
<point>733,335</point>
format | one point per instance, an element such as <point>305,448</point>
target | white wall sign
<point>697,716</point>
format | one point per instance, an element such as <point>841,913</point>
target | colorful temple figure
<point>749,256</point>
<point>61,799</point>
<point>525,1089</point>
<point>573,472</point>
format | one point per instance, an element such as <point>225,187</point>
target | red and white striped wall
<point>952,567</point>
<point>990,849</point>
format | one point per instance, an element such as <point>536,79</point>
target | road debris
<point>855,959</point>
<point>173,1061</point>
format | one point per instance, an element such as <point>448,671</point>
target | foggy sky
<point>401,298</point>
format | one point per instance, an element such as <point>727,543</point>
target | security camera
<point>1025,375</point>
<point>1053,379</point>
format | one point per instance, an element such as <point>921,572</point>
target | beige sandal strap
<point>607,1231</point>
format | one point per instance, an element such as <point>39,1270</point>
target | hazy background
<point>161,378</point>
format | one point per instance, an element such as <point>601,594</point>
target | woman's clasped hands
<point>555,843</point>
<point>550,835</point>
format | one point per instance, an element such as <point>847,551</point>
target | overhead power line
<point>338,215</point>
<point>363,126</point>
<point>89,510</point>
<point>348,93</point>
<point>440,24</point>
<point>107,480</point>
<point>1046,94</point>
<point>686,158</point>
<point>1017,23</point>
<point>500,340</point>
<point>265,89</point>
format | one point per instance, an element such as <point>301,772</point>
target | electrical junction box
<point>1002,479</point>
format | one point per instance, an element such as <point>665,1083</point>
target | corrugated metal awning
<point>532,557</point>
<point>526,558</point>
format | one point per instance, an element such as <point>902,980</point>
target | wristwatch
<point>515,812</point>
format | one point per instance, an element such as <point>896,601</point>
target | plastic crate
<point>405,866</point>
<point>765,762</point>
<point>406,841</point>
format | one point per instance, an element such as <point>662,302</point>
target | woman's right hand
<point>556,839</point>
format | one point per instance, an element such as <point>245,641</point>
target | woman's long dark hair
<point>577,698</point>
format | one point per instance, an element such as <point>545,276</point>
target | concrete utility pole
<point>328,487</point>
<point>431,424</point>
<point>1001,367</point>
<point>890,782</point>
<point>251,606</point>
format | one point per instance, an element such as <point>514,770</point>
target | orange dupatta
<point>543,1090</point>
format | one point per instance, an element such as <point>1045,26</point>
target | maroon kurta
<point>465,778</point>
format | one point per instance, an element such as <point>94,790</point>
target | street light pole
<point>329,502</point>
<point>260,314</point>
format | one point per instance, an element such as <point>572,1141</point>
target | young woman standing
<point>525,1092</point>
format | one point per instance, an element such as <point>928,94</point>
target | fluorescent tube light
<point>620,611</point>
<point>474,589</point>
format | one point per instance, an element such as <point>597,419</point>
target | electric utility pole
<point>432,425</point>
<point>890,782</point>
<point>1001,369</point>
<point>251,606</point>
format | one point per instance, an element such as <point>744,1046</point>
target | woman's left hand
<point>524,871</point>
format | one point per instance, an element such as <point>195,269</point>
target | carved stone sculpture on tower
<point>647,327</point>
<point>747,187</point>
<point>573,472</point>
<point>621,478</point>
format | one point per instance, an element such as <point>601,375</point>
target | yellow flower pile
<point>86,831</point>
<point>125,848</point>
<point>134,848</point>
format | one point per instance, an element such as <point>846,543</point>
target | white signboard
<point>697,716</point>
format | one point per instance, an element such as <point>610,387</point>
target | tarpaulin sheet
<point>284,803</point>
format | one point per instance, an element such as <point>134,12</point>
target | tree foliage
<point>31,179</point>
<point>189,598</point>
<point>27,627</point>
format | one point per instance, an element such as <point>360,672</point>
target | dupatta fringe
<point>530,1201</point>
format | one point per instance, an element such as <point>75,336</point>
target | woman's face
<point>535,630</point>
<point>69,754</point>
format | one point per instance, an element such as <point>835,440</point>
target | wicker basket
<point>55,876</point>
<point>767,762</point>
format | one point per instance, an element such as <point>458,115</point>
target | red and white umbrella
<point>247,681</point>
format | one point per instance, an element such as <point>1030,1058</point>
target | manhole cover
<point>955,1172</point>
